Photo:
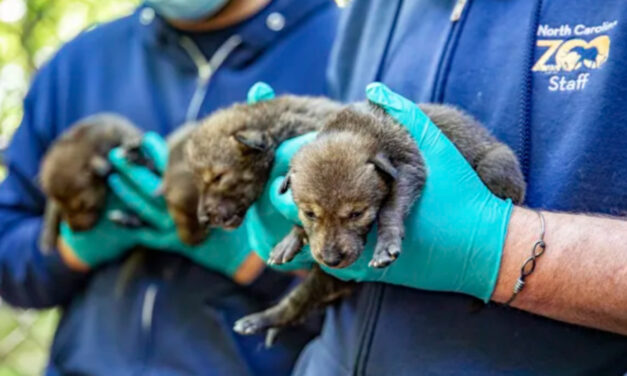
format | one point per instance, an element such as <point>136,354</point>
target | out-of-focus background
<point>30,33</point>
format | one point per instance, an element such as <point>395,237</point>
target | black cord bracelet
<point>530,264</point>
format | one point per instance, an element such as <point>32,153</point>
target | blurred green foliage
<point>30,33</point>
<point>24,340</point>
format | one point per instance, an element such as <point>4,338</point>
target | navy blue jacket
<point>548,78</point>
<point>176,317</point>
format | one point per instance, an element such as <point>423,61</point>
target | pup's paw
<point>286,250</point>
<point>253,324</point>
<point>387,250</point>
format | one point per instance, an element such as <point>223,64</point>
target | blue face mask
<point>186,10</point>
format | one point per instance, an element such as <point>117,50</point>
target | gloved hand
<point>134,187</point>
<point>266,226</point>
<point>455,232</point>
<point>106,240</point>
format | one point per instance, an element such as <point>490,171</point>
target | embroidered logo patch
<point>569,61</point>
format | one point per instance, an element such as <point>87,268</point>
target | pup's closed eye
<point>352,212</point>
<point>355,214</point>
<point>310,215</point>
<point>217,178</point>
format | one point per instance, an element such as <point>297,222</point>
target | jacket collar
<point>260,31</point>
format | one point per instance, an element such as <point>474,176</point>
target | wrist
<point>70,258</point>
<point>249,270</point>
<point>480,267</point>
<point>521,235</point>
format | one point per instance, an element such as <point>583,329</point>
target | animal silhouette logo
<point>589,54</point>
<point>572,54</point>
<point>577,53</point>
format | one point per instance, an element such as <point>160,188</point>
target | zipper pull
<point>342,3</point>
<point>204,73</point>
<point>456,14</point>
<point>206,68</point>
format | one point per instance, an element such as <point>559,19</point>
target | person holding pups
<point>492,59</point>
<point>437,256</point>
<point>167,64</point>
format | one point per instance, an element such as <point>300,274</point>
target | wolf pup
<point>364,167</point>
<point>180,191</point>
<point>74,171</point>
<point>232,151</point>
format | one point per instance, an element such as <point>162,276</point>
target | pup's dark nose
<point>78,226</point>
<point>224,212</point>
<point>331,259</point>
<point>81,221</point>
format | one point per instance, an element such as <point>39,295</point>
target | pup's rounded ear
<point>255,140</point>
<point>189,150</point>
<point>285,184</point>
<point>100,166</point>
<point>383,164</point>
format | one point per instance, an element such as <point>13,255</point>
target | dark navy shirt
<point>176,317</point>
<point>549,79</point>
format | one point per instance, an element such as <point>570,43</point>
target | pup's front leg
<point>316,291</point>
<point>50,229</point>
<point>289,247</point>
<point>391,231</point>
<point>388,248</point>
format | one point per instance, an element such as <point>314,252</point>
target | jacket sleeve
<point>28,278</point>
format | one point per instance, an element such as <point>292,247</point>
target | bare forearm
<point>582,276</point>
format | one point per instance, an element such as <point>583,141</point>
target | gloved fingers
<point>144,180</point>
<point>156,148</point>
<point>146,208</point>
<point>260,92</point>
<point>286,151</point>
<point>65,231</point>
<point>284,203</point>
<point>162,240</point>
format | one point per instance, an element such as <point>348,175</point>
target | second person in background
<point>166,64</point>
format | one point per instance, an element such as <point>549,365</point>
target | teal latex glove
<point>106,240</point>
<point>454,234</point>
<point>266,226</point>
<point>133,187</point>
<point>260,92</point>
